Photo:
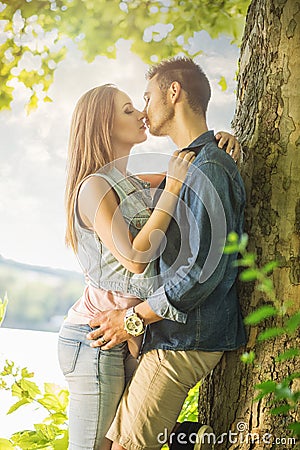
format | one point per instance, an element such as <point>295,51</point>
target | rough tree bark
<point>267,123</point>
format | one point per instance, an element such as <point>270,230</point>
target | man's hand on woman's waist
<point>110,326</point>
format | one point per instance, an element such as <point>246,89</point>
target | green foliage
<point>223,84</point>
<point>259,314</point>
<point>35,33</point>
<point>288,354</point>
<point>270,333</point>
<point>5,444</point>
<point>248,358</point>
<point>3,306</point>
<point>280,394</point>
<point>52,433</point>
<point>189,410</point>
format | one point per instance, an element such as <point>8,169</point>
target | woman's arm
<point>229,143</point>
<point>110,226</point>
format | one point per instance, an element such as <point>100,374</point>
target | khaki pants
<point>153,400</point>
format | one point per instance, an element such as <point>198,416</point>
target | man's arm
<point>207,220</point>
<point>111,325</point>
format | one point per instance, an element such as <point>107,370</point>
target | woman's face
<point>128,125</point>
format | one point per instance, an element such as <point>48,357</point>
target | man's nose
<point>145,111</point>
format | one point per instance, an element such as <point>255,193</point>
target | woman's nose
<point>141,115</point>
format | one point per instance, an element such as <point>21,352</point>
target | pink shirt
<point>95,300</point>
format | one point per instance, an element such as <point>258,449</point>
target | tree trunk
<point>267,124</point>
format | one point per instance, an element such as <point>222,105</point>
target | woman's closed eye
<point>128,111</point>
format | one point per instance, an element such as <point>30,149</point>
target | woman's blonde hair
<point>89,145</point>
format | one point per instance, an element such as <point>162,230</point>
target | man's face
<point>159,110</point>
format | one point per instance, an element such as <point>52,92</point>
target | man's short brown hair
<point>190,76</point>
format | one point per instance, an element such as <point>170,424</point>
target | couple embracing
<point>160,304</point>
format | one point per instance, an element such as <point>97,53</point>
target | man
<point>197,299</point>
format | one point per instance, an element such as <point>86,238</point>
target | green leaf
<point>50,402</point>
<point>248,259</point>
<point>5,444</point>
<point>6,95</point>
<point>293,323</point>
<point>267,386</point>
<point>61,444</point>
<point>223,83</point>
<point>243,242</point>
<point>47,432</point>
<point>62,395</point>
<point>266,285</point>
<point>8,368</point>
<point>3,306</point>
<point>232,243</point>
<point>26,374</point>
<point>229,249</point>
<point>285,307</point>
<point>189,411</point>
<point>295,427</point>
<point>32,104</point>
<point>288,354</point>
<point>17,405</point>
<point>16,391</point>
<point>248,358</point>
<point>233,237</point>
<point>52,388</point>
<point>260,314</point>
<point>249,275</point>
<point>270,333</point>
<point>282,391</point>
<point>283,409</point>
<point>291,377</point>
<point>295,397</point>
<point>30,387</point>
<point>29,78</point>
<point>269,267</point>
<point>30,440</point>
<point>58,418</point>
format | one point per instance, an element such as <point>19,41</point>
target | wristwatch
<point>133,324</point>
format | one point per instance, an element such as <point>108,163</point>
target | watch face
<point>134,325</point>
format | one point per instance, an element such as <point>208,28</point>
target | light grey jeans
<point>96,380</point>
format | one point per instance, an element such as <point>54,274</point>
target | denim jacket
<point>198,297</point>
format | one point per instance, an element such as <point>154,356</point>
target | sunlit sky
<point>33,148</point>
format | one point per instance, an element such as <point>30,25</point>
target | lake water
<point>35,350</point>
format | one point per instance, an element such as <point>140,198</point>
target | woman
<point>110,227</point>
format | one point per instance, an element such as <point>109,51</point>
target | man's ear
<point>175,90</point>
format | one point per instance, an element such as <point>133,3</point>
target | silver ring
<point>103,341</point>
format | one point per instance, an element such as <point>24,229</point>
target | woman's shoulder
<point>94,183</point>
<point>92,191</point>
